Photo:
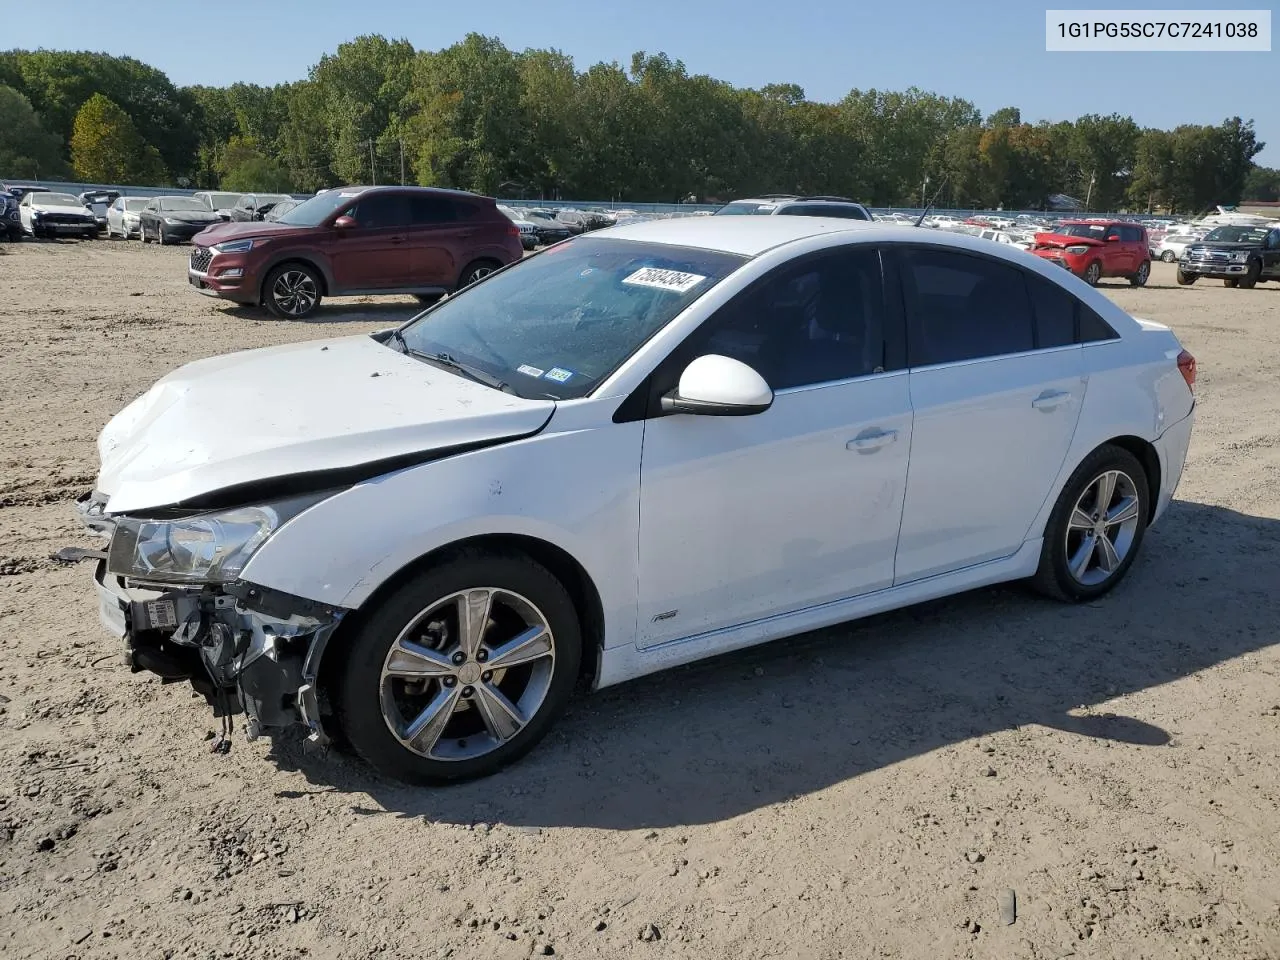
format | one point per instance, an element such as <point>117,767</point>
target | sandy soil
<point>868,791</point>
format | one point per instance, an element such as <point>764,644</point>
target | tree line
<point>481,117</point>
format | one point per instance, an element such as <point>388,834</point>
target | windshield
<point>311,213</point>
<point>181,203</point>
<point>558,323</point>
<point>740,208</point>
<point>136,203</point>
<point>1237,234</point>
<point>1097,231</point>
<point>824,210</point>
<point>60,198</point>
<point>219,201</point>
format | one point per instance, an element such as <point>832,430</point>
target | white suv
<point>788,205</point>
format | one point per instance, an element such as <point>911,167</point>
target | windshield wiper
<point>466,369</point>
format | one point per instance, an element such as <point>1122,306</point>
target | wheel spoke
<point>1108,559</point>
<point>473,619</point>
<point>1106,490</point>
<point>1080,560</point>
<point>527,646</point>
<point>1080,520</point>
<point>1125,510</point>
<point>414,661</point>
<point>424,732</point>
<point>502,717</point>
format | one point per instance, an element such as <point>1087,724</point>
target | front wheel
<point>1250,278</point>
<point>461,671</point>
<point>1096,527</point>
<point>1140,278</point>
<point>1168,256</point>
<point>477,271</point>
<point>1093,273</point>
<point>292,291</point>
<point>1185,279</point>
<point>142,234</point>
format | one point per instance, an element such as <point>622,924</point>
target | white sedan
<point>123,217</point>
<point>642,447</point>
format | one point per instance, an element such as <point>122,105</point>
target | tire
<point>1186,279</point>
<point>162,237</point>
<point>476,270</point>
<point>1140,278</point>
<point>292,291</point>
<point>142,234</point>
<point>1168,256</point>
<point>1093,273</point>
<point>472,740</point>
<point>1250,279</point>
<point>1069,569</point>
<point>427,299</point>
<point>1231,282</point>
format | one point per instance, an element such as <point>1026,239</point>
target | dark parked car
<point>10,219</point>
<point>174,219</point>
<point>356,241</point>
<point>1238,256</point>
<point>280,208</point>
<point>256,206</point>
<point>548,228</point>
<point>789,205</point>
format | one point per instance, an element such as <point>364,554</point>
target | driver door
<point>746,517</point>
<point>374,253</point>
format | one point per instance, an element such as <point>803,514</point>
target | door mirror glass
<point>715,385</point>
<point>345,222</point>
<point>1114,238</point>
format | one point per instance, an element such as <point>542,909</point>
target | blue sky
<point>988,51</point>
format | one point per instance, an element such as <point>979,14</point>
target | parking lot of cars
<point>1113,764</point>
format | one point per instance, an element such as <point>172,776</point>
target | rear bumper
<point>1171,447</point>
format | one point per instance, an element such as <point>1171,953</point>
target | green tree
<point>26,148</point>
<point>107,148</point>
<point>245,168</point>
<point>1262,183</point>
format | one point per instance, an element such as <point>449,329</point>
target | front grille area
<point>68,219</point>
<point>201,257</point>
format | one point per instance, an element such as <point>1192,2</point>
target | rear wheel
<point>1251,275</point>
<point>1096,527</point>
<point>477,271</point>
<point>460,671</point>
<point>142,234</point>
<point>1140,278</point>
<point>292,291</point>
<point>1093,273</point>
<point>1185,279</point>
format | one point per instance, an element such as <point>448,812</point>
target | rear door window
<point>381,210</point>
<point>432,211</point>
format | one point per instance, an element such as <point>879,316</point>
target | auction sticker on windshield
<point>559,374</point>
<point>529,371</point>
<point>672,280</point>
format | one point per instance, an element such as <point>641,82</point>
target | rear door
<point>996,385</point>
<point>373,254</point>
<point>1271,255</point>
<point>440,232</point>
<point>1134,241</point>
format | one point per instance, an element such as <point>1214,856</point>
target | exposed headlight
<point>171,221</point>
<point>1241,256</point>
<point>205,548</point>
<point>234,246</point>
<point>1078,248</point>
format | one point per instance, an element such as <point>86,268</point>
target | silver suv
<point>789,205</point>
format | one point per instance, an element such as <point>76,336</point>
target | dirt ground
<point>867,791</point>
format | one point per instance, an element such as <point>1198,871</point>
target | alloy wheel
<point>1102,527</point>
<point>1093,274</point>
<point>294,292</point>
<point>467,674</point>
<point>479,273</point>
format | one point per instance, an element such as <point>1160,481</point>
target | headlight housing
<point>172,221</point>
<point>234,246</point>
<point>1078,248</point>
<point>1241,256</point>
<point>209,547</point>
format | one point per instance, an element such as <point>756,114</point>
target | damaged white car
<point>639,448</point>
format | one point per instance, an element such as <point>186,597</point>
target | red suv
<point>355,241</point>
<point>1094,249</point>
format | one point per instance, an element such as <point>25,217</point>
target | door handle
<point>871,440</point>
<point>397,239</point>
<point>1051,399</point>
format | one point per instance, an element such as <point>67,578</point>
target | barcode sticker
<point>672,280</point>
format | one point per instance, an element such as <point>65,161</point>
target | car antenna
<point>932,201</point>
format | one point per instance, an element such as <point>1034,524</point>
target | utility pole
<point>1089,195</point>
<point>373,167</point>
<point>402,163</point>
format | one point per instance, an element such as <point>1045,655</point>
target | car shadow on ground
<point>343,311</point>
<point>726,736</point>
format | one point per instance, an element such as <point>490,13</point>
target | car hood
<point>234,229</point>
<point>1223,245</point>
<point>61,208</point>
<point>1050,240</point>
<point>190,216</point>
<point>264,415</point>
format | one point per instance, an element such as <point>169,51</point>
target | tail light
<point>1187,367</point>
<point>513,231</point>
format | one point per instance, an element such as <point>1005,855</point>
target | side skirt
<point>627,662</point>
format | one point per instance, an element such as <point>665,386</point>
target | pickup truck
<point>1239,256</point>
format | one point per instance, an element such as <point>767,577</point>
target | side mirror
<point>718,386</point>
<point>1114,238</point>
<point>344,222</point>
